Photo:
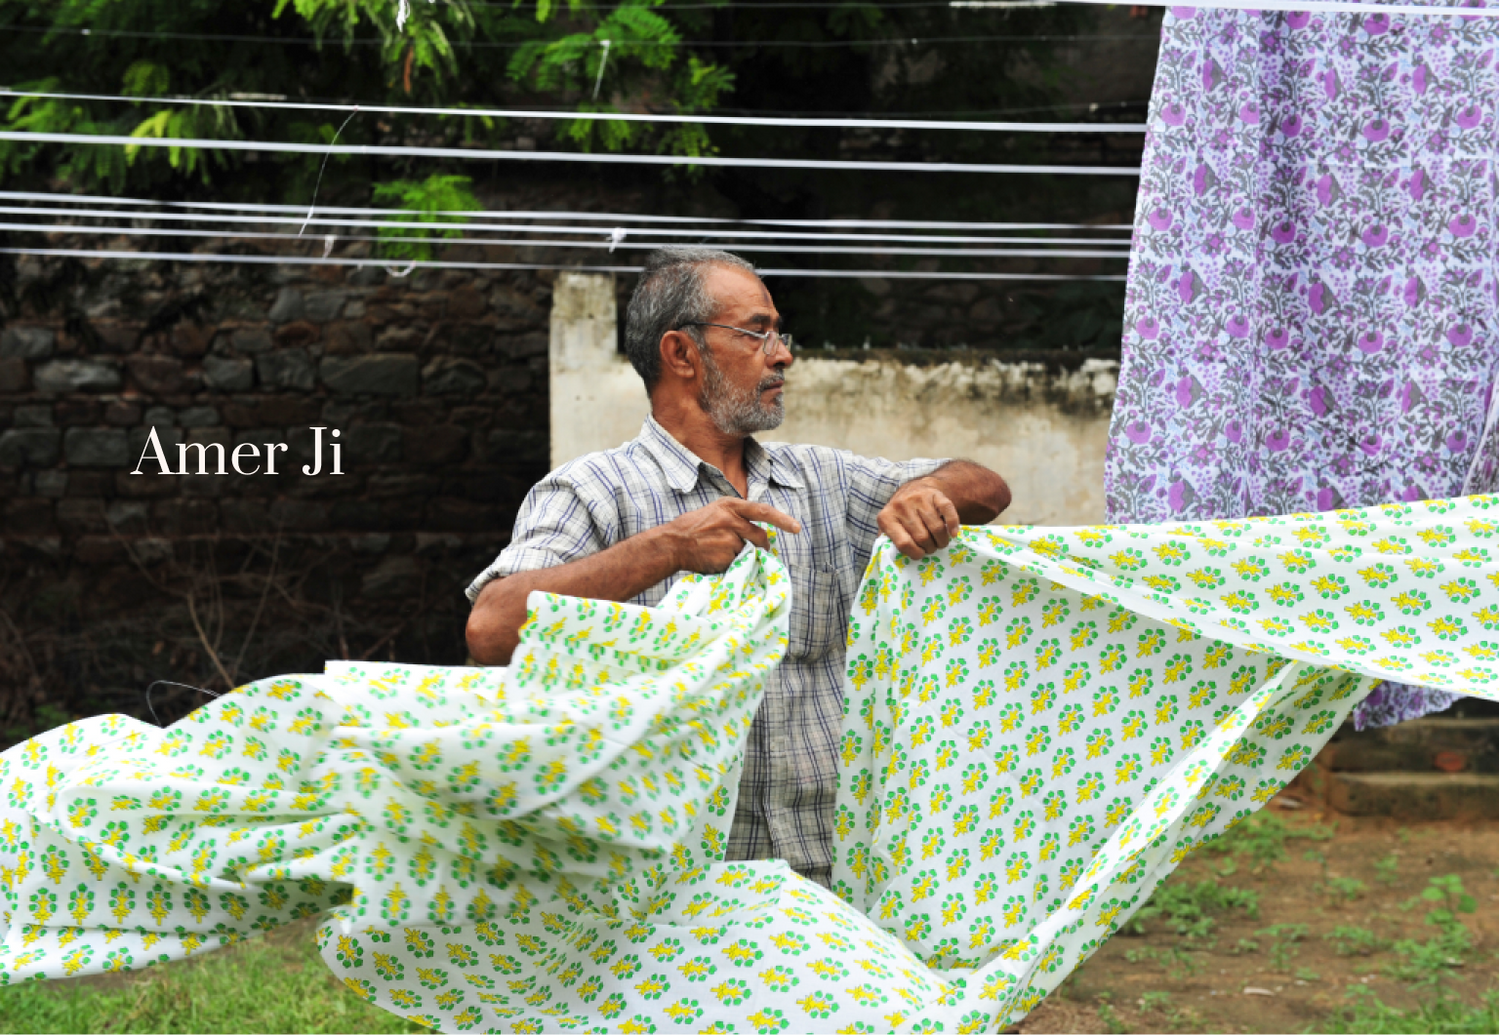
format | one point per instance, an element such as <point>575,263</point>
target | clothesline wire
<point>1310,6</point>
<point>375,41</point>
<point>495,154</point>
<point>799,5</point>
<point>451,226</point>
<point>303,260</point>
<point>1091,106</point>
<point>610,245</point>
<point>945,115</point>
<point>518,113</point>
<point>610,217</point>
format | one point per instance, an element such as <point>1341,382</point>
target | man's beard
<point>738,411</point>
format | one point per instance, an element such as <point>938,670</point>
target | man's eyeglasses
<point>767,339</point>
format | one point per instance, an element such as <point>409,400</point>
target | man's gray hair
<point>671,293</point>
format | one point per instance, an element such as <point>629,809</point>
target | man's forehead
<point>741,289</point>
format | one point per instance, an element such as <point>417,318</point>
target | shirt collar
<point>778,469</point>
<point>683,467</point>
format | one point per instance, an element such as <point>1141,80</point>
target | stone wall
<point>436,383</point>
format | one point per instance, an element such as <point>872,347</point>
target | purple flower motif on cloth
<point>1310,318</point>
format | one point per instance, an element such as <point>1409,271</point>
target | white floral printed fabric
<point>1040,724</point>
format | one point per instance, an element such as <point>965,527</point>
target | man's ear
<point>679,355</point>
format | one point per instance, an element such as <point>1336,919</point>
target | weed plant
<point>262,986</point>
<point>1262,839</point>
<point>1368,1015</point>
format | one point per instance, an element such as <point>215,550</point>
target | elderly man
<point>623,524</point>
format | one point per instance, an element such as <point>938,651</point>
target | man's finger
<point>920,534</point>
<point>937,526</point>
<point>754,511</point>
<point>950,514</point>
<point>907,546</point>
<point>754,534</point>
<point>897,535</point>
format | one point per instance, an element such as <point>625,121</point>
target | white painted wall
<point>1043,429</point>
<point>597,401</point>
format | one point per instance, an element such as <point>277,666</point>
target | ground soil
<point>1206,986</point>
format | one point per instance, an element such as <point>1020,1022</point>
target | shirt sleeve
<point>555,525</point>
<point>872,482</point>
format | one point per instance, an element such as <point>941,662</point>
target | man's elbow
<point>1000,497</point>
<point>485,632</point>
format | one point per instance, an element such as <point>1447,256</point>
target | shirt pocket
<point>817,619</point>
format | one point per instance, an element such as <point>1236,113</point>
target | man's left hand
<point>920,519</point>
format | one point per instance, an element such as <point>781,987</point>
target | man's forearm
<point>620,573</point>
<point>979,494</point>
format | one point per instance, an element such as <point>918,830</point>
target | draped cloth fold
<point>1040,724</point>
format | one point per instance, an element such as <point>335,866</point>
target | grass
<point>269,985</point>
<point>1369,1015</point>
<point>1354,916</point>
<point>1353,940</point>
<point>1262,839</point>
<point>1284,939</point>
<point>1189,909</point>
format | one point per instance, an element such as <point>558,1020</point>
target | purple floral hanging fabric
<point>1310,317</point>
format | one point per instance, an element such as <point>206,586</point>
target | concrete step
<point>1414,796</point>
<point>1419,746</point>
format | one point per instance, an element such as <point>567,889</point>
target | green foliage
<point>1344,889</point>
<point>1352,940</point>
<point>1387,869</point>
<point>1156,999</point>
<point>146,79</point>
<point>191,123</point>
<point>1262,838</point>
<point>467,54</point>
<point>664,56</point>
<point>1177,961</point>
<point>1368,1015</point>
<point>427,201</point>
<point>1111,1020</point>
<point>1189,909</point>
<point>1448,891</point>
<point>1284,939</point>
<point>442,56</point>
<point>1428,963</point>
<point>262,986</point>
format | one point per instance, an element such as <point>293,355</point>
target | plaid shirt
<point>789,783</point>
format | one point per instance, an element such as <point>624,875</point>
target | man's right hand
<point>707,540</point>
